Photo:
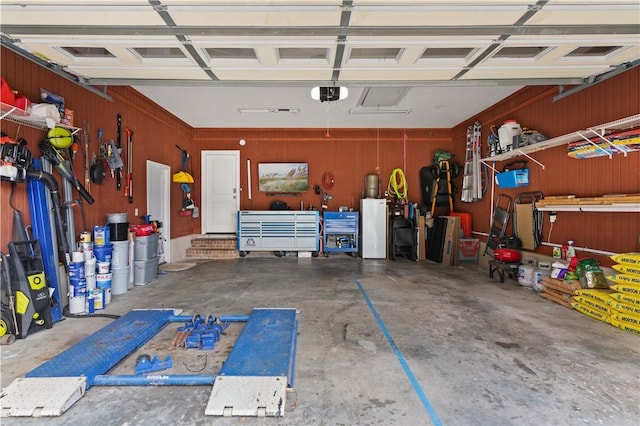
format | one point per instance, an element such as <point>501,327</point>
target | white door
<point>220,191</point>
<point>158,204</point>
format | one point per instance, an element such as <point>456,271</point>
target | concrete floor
<point>466,349</point>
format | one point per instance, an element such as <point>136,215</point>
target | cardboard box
<point>422,239</point>
<point>67,117</point>
<point>451,237</point>
<point>468,250</point>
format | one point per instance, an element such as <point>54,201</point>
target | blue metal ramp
<point>258,372</point>
<point>99,352</point>
<point>266,346</point>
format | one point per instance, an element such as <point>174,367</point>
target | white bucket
<point>131,255</point>
<point>103,280</point>
<point>90,281</point>
<point>87,253</point>
<point>525,275</point>
<point>120,281</point>
<point>90,267</point>
<point>77,257</point>
<point>120,254</point>
<point>506,132</point>
<point>103,267</point>
<point>77,304</point>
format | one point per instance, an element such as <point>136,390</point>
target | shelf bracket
<point>622,149</point>
<point>486,163</point>
<point>595,145</point>
<point>531,158</point>
<point>7,113</point>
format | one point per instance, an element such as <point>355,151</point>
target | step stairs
<point>214,247</point>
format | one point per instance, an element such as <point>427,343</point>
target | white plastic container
<point>506,132</point>
<point>538,275</point>
<point>526,275</point>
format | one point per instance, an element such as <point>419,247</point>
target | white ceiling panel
<point>275,18</point>
<point>411,75</point>
<point>279,75</point>
<point>251,4</point>
<point>134,73</point>
<point>279,49</point>
<point>492,73</point>
<point>103,15</point>
<point>403,17</point>
<point>587,13</point>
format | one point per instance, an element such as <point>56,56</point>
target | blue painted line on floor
<point>403,362</point>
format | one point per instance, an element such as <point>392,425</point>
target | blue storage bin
<point>513,178</point>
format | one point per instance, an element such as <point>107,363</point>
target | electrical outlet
<point>552,217</point>
<point>135,212</point>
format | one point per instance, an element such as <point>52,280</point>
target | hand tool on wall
<point>128,191</point>
<point>97,170</point>
<point>113,158</point>
<point>119,149</point>
<point>87,179</point>
<point>104,151</point>
<point>64,167</point>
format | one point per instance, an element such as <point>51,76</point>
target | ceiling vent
<point>373,97</point>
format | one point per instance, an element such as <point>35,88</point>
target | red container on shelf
<point>143,230</point>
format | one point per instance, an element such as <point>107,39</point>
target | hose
<point>397,185</point>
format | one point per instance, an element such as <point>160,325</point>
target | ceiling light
<point>268,110</point>
<point>379,111</point>
<point>328,94</point>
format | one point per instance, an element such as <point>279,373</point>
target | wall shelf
<point>23,118</point>
<point>599,131</point>
<point>603,208</point>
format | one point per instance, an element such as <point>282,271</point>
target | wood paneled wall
<point>534,108</point>
<point>156,132</point>
<point>348,154</point>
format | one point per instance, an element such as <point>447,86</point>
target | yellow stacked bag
<point>625,303</point>
<point>594,303</point>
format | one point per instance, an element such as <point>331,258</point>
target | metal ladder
<point>444,167</point>
<point>472,182</point>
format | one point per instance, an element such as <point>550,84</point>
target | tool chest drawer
<point>340,231</point>
<point>265,230</point>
